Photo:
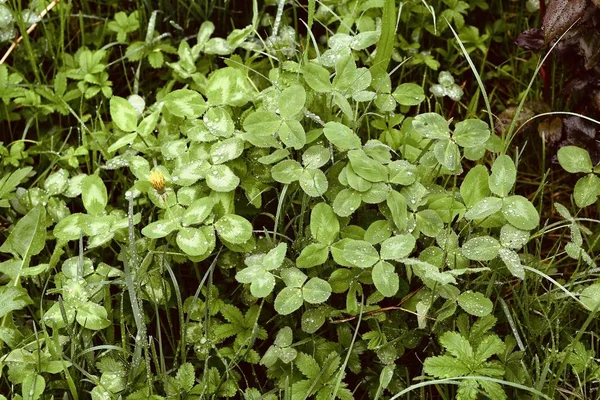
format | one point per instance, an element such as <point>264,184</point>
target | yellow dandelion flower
<point>157,180</point>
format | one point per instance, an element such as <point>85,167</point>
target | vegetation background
<point>299,199</point>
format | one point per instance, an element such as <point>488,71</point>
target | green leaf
<point>324,225</point>
<point>69,228</point>
<point>586,190</point>
<point>122,142</point>
<point>262,123</point>
<point>287,171</point>
<point>590,297</point>
<point>457,345</point>
<point>471,133</point>
<point>186,377</point>
<point>482,248</point>
<point>512,262</point>
<point>341,136</point>
<point>519,212</point>
<point>360,253</point>
<point>292,134</point>
<point>513,238</point>
<point>484,208</point>
<point>315,156</point>
<point>409,94</point>
<point>198,211</point>
<point>291,101</point>
<point>313,182</point>
<point>288,300</point>
<point>346,202</point>
<point>366,167</point>
<point>398,246</point>
<point>226,150</point>
<point>317,77</point>
<point>504,176</point>
<point>274,258</point>
<point>33,386</point>
<point>28,237</point>
<point>160,228</point>
<point>227,86</point>
<point>261,281</point>
<point>185,103</point>
<point>221,178</point>
<point>489,346</point>
<point>293,277</point>
<point>397,205</point>
<point>475,303</point>
<point>385,278</point>
<point>189,173</point>
<point>447,154</point>
<point>445,367</point>
<point>429,222</point>
<point>234,229</point>
<point>312,255</point>
<point>192,241</point>
<point>92,316</point>
<point>431,126</point>
<point>475,187</point>
<point>402,172</point>
<point>123,114</point>
<point>313,319</point>
<point>94,195</point>
<point>13,298</point>
<point>574,159</point>
<point>316,291</point>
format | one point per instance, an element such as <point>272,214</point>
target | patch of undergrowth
<point>267,216</point>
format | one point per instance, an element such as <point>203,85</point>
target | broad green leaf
<point>504,176</point>
<point>198,211</point>
<point>427,271</point>
<point>94,195</point>
<point>586,190</point>
<point>409,94</point>
<point>484,208</point>
<point>160,228</point>
<point>366,167</point>
<point>92,316</point>
<point>315,156</point>
<point>13,298</point>
<point>262,123</point>
<point>55,183</point>
<point>293,277</point>
<point>274,258</point>
<point>475,303</point>
<point>513,238</point>
<point>313,319</point>
<point>284,337</point>
<point>33,386</point>
<point>378,231</point>
<point>288,300</point>
<point>189,173</point>
<point>346,202</point>
<point>317,77</point>
<point>69,228</point>
<point>313,182</point>
<point>345,73</point>
<point>475,187</point>
<point>234,228</point>
<point>482,248</point>
<point>123,114</point>
<point>341,136</point>
<point>445,367</point>
<point>447,154</point>
<point>385,278</point>
<point>291,101</point>
<point>402,172</point>
<point>28,237</point>
<point>226,150</point>
<point>262,284</point>
<point>398,246</point>
<point>348,177</point>
<point>227,86</point>
<point>185,103</point>
<point>10,181</point>
<point>519,212</point>
<point>457,345</point>
<point>377,194</point>
<point>221,178</point>
<point>192,241</point>
<point>360,253</point>
<point>429,223</point>
<point>316,291</point>
<point>122,142</point>
<point>431,126</point>
<point>590,297</point>
<point>274,157</point>
<point>324,225</point>
<point>574,159</point>
<point>292,134</point>
<point>173,149</point>
<point>512,262</point>
<point>397,205</point>
<point>471,133</point>
<point>287,171</point>
<point>312,255</point>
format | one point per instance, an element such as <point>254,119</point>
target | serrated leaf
<point>198,211</point>
<point>447,154</point>
<point>262,123</point>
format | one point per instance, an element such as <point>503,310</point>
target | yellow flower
<point>157,180</point>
